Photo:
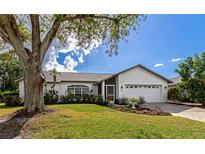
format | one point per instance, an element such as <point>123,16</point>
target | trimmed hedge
<point>11,98</point>
<point>9,93</point>
<point>50,98</point>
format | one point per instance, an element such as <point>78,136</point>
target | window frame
<point>79,90</point>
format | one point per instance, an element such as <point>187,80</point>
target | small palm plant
<point>133,101</point>
<point>54,73</point>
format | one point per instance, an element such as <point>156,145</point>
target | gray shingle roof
<point>176,80</point>
<point>86,77</point>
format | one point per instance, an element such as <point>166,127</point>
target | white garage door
<point>151,93</point>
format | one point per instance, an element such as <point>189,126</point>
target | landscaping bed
<point>140,110</point>
<point>186,103</point>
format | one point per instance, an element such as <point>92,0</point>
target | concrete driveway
<point>194,113</point>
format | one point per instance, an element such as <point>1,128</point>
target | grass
<point>93,121</point>
<point>4,110</point>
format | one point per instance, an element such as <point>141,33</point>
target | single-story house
<point>131,83</point>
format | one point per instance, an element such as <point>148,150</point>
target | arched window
<point>78,90</point>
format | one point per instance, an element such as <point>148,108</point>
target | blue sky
<point>159,39</point>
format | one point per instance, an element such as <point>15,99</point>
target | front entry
<point>110,93</point>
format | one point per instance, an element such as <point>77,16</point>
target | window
<point>131,86</point>
<point>78,90</point>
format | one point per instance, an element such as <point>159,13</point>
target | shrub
<point>9,93</point>
<point>1,97</point>
<point>86,98</point>
<point>133,100</point>
<point>99,99</point>
<point>190,91</point>
<point>11,98</point>
<point>141,100</point>
<point>104,103</point>
<point>13,101</point>
<point>173,93</point>
<point>92,99</point>
<point>122,101</point>
<point>69,98</point>
<point>50,98</point>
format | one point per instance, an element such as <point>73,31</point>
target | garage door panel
<point>151,93</point>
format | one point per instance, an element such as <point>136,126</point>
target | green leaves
<point>192,72</point>
<point>85,28</point>
<point>108,29</point>
<point>10,70</point>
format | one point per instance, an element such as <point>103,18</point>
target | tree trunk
<point>33,87</point>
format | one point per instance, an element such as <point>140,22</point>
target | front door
<point>110,93</point>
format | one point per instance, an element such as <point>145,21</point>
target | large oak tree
<point>30,36</point>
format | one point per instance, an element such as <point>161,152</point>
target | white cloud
<point>80,59</point>
<point>93,45</point>
<point>159,65</point>
<point>69,63</point>
<point>72,44</point>
<point>173,60</point>
<point>63,51</point>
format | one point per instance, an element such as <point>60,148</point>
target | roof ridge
<point>82,72</point>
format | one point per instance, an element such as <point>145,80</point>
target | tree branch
<point>8,23</point>
<point>36,42</point>
<point>49,37</point>
<point>62,18</point>
<point>4,36</point>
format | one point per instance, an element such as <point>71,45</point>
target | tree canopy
<point>30,37</point>
<point>192,73</point>
<point>10,71</point>
<point>86,29</point>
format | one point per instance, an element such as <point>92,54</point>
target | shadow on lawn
<point>11,126</point>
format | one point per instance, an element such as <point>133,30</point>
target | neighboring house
<point>175,81</point>
<point>133,82</point>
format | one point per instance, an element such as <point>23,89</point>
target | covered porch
<point>107,89</point>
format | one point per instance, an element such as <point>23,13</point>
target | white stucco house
<point>131,83</point>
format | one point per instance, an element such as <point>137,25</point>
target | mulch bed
<point>141,110</point>
<point>15,125</point>
<point>186,103</point>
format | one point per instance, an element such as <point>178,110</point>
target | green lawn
<point>4,110</point>
<point>93,121</point>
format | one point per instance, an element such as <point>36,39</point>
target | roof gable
<point>145,68</point>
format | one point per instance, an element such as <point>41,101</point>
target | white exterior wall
<point>21,89</point>
<point>117,87</point>
<point>140,76</point>
<point>61,87</point>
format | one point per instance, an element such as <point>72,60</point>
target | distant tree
<point>54,73</point>
<point>10,71</point>
<point>192,72</point>
<point>30,36</point>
